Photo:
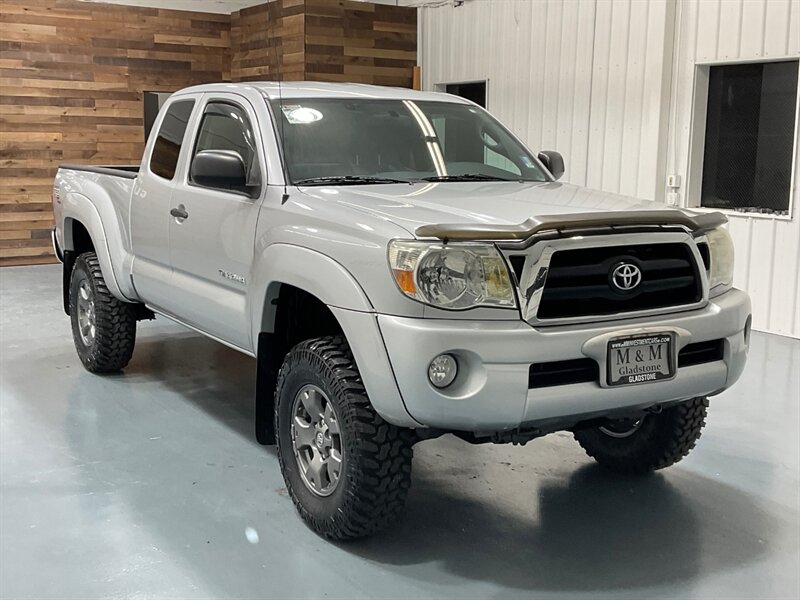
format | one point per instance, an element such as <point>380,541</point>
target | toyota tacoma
<point>402,267</point>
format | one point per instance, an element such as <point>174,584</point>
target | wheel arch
<point>83,231</point>
<point>309,270</point>
<point>77,240</point>
<point>291,315</point>
<point>331,302</point>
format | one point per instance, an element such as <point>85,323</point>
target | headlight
<point>720,275</point>
<point>451,276</point>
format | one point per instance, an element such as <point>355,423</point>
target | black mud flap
<point>266,378</point>
<point>66,276</point>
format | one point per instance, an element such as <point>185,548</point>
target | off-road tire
<point>115,321</point>
<point>660,441</point>
<point>376,467</point>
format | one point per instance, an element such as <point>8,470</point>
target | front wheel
<point>346,469</point>
<point>103,327</point>
<point>654,441</point>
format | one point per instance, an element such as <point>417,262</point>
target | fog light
<point>442,370</point>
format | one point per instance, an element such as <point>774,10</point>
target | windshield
<point>342,140</point>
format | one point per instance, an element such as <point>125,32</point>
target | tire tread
<point>670,439</point>
<point>383,451</point>
<point>115,323</point>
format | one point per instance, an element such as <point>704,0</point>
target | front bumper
<point>491,391</point>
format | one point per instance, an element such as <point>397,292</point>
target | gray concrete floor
<point>150,485</point>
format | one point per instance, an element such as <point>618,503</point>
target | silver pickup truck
<point>402,267</point>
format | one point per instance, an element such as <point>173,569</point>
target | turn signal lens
<point>405,280</point>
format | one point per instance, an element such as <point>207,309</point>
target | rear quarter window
<point>167,148</point>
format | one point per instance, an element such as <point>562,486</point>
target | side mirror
<point>553,161</point>
<point>221,169</point>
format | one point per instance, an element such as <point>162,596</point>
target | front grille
<point>700,353</point>
<point>705,254</point>
<point>579,281</point>
<point>562,372</point>
<point>517,264</point>
<point>586,370</point>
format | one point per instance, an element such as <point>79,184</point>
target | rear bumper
<point>491,392</point>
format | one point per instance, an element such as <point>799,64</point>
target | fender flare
<point>77,207</point>
<point>303,268</point>
<point>332,284</point>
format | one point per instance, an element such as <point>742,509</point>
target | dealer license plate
<point>640,359</point>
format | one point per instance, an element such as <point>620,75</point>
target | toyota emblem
<point>626,276</point>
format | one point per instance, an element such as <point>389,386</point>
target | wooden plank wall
<point>71,81</point>
<point>267,42</point>
<point>324,40</point>
<point>360,42</point>
<point>72,77</point>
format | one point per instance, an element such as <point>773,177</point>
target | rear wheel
<point>654,441</point>
<point>347,470</point>
<point>103,327</point>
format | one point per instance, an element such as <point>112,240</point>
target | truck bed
<point>126,171</point>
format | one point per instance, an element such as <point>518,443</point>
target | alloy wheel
<point>317,440</point>
<point>621,428</point>
<point>86,313</point>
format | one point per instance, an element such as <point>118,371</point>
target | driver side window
<point>226,129</point>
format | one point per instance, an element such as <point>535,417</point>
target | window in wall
<point>474,91</point>
<point>170,137</point>
<point>750,124</point>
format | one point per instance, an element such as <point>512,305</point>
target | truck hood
<point>479,203</point>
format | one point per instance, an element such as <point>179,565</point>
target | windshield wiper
<point>348,180</point>
<point>466,177</point>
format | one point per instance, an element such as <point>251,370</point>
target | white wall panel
<point>751,39</point>
<point>582,77</point>
<point>611,84</point>
<point>767,248</point>
<point>537,58</point>
<point>630,97</point>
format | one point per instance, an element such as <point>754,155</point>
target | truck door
<point>150,203</point>
<point>212,221</point>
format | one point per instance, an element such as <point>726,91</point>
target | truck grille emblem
<point>626,276</point>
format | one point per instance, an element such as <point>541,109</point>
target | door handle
<point>179,212</point>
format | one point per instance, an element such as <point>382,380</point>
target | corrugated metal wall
<point>767,248</point>
<point>583,77</point>
<point>610,84</point>
<point>539,82</point>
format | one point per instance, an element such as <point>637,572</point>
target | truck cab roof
<point>315,89</point>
